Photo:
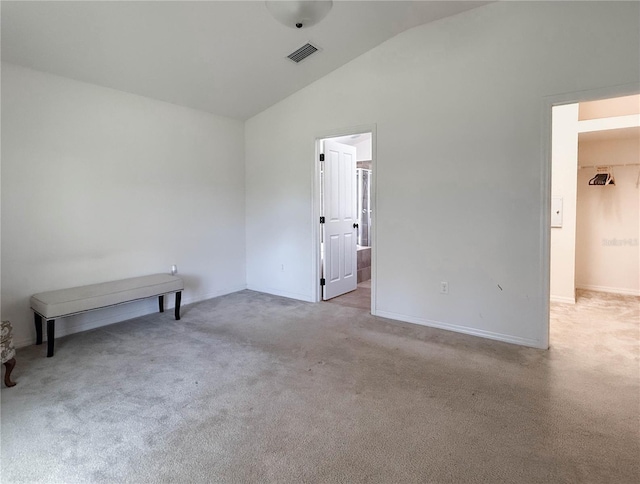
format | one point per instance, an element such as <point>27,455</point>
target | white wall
<point>98,185</point>
<point>564,174</point>
<point>458,106</point>
<point>607,251</point>
<point>363,149</point>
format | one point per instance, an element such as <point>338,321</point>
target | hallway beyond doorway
<point>359,299</point>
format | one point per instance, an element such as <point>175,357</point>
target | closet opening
<point>595,221</point>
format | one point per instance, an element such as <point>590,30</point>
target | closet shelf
<point>609,164</point>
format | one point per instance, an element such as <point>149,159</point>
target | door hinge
<point>321,220</point>
<point>322,157</point>
<point>322,281</point>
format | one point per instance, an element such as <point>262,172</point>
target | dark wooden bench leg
<point>178,299</point>
<point>38,321</point>
<point>161,303</point>
<point>51,335</point>
<point>9,365</point>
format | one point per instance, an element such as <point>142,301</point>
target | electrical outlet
<point>444,287</point>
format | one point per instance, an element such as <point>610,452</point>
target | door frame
<point>316,231</point>
<point>545,179</point>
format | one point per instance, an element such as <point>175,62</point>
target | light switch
<point>556,212</point>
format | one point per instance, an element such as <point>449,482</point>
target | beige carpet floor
<point>256,388</point>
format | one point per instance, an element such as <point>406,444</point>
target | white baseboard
<point>277,292</point>
<point>562,299</point>
<point>204,297</point>
<point>462,329</point>
<point>70,325</point>
<point>613,290</point>
<point>116,314</point>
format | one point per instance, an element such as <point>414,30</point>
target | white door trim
<point>315,209</point>
<point>545,179</point>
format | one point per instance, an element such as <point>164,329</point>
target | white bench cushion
<point>54,304</point>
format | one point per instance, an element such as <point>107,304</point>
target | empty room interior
<point>320,241</point>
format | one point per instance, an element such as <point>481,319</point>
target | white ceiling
<point>225,57</point>
<point>353,139</point>
<point>608,113</point>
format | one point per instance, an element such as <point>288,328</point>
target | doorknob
<point>355,226</point>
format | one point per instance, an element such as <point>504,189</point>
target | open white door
<point>341,221</point>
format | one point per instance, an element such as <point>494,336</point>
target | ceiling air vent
<point>302,53</point>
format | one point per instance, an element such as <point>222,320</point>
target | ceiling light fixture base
<point>299,14</point>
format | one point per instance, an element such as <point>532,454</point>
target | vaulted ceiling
<point>224,57</point>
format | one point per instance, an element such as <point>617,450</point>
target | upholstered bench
<point>67,302</point>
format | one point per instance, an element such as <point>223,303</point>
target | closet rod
<point>611,164</point>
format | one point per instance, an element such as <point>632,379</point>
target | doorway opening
<point>595,214</point>
<point>346,229</point>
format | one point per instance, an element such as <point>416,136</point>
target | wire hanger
<point>604,176</point>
